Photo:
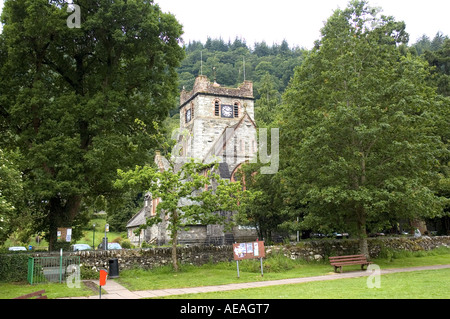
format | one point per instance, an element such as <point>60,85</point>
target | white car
<point>77,247</point>
<point>17,248</point>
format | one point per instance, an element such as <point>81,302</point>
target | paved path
<point>116,291</point>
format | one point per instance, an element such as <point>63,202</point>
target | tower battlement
<point>202,85</point>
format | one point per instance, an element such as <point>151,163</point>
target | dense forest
<point>271,67</point>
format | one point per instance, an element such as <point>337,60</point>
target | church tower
<point>217,124</point>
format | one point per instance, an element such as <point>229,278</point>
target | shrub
<point>13,267</point>
<point>126,243</point>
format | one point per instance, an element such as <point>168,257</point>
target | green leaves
<point>194,193</point>
<point>71,95</point>
<point>359,112</point>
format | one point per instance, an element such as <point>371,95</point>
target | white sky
<point>297,21</point>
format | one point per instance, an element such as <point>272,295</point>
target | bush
<point>275,263</point>
<point>126,243</point>
<point>13,267</point>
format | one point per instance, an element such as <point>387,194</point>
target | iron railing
<point>51,269</point>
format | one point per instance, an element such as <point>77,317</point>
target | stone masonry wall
<point>149,258</point>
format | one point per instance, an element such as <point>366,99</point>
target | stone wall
<point>149,258</point>
<point>320,249</point>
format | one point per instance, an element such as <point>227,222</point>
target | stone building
<point>216,125</point>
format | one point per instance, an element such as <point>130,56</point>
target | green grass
<point>99,233</point>
<point>52,290</point>
<point>275,267</point>
<point>423,284</point>
<point>429,284</point>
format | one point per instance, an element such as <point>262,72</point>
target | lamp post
<point>93,237</point>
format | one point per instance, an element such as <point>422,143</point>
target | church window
<point>216,108</point>
<point>188,115</point>
<point>236,109</point>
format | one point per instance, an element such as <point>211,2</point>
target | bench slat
<point>37,294</point>
<point>349,260</point>
<point>351,263</point>
<point>347,257</point>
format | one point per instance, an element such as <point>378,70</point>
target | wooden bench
<point>34,295</point>
<point>339,261</point>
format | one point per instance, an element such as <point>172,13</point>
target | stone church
<point>216,125</point>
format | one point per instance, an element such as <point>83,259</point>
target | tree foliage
<point>358,121</point>
<point>193,194</point>
<point>70,96</point>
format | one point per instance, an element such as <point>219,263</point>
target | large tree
<point>359,141</point>
<point>70,95</point>
<point>192,194</point>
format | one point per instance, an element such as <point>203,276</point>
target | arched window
<point>188,115</point>
<point>236,109</point>
<point>216,108</point>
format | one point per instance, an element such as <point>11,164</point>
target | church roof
<point>222,140</point>
<point>138,219</point>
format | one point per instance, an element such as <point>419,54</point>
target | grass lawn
<point>423,284</point>
<point>52,290</point>
<point>275,268</point>
<point>429,284</point>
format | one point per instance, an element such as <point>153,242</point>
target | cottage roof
<point>138,219</point>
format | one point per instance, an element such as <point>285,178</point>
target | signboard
<point>248,250</point>
<point>64,234</point>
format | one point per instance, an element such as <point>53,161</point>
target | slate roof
<point>138,219</point>
<point>221,142</point>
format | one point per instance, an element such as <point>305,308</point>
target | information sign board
<point>64,234</point>
<point>248,250</point>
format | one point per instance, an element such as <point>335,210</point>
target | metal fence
<point>51,269</point>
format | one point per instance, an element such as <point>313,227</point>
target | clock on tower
<point>227,111</point>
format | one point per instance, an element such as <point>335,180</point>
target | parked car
<point>110,246</point>
<point>17,248</point>
<point>339,235</point>
<point>77,247</point>
<point>318,235</point>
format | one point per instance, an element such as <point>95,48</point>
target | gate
<point>50,269</point>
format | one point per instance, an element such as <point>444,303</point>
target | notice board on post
<point>250,250</point>
<point>64,234</point>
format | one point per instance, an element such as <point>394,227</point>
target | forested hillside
<point>269,67</point>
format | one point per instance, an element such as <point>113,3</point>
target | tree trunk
<point>174,241</point>
<point>174,252</point>
<point>61,215</point>
<point>362,233</point>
